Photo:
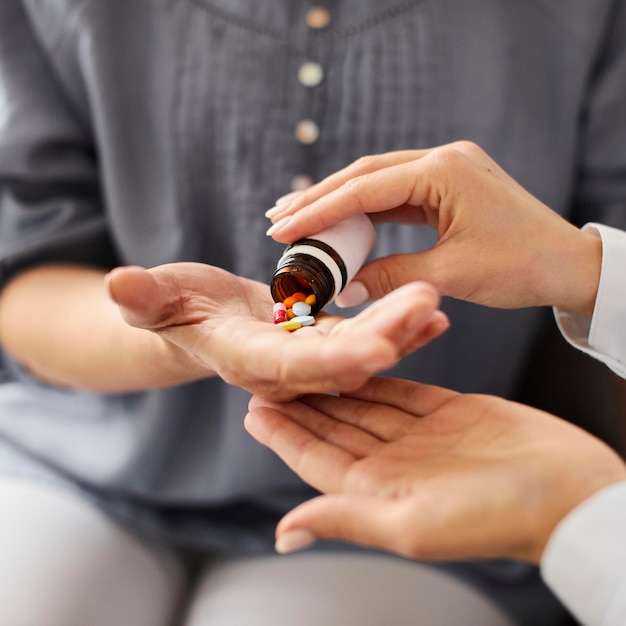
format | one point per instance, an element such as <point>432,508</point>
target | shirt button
<point>301,182</point>
<point>310,74</point>
<point>317,18</point>
<point>307,132</point>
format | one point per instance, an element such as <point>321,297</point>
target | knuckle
<point>356,189</point>
<point>467,146</point>
<point>354,186</point>
<point>456,154</point>
<point>365,163</point>
<point>447,156</point>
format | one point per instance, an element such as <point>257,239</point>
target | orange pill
<point>310,299</point>
<point>290,314</point>
<point>288,302</point>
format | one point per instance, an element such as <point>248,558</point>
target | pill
<point>290,314</point>
<point>301,308</point>
<point>279,306</point>
<point>310,299</point>
<point>280,315</point>
<point>289,302</point>
<point>290,325</point>
<point>304,320</point>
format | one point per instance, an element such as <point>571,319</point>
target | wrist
<point>579,277</point>
<point>576,488</point>
<point>147,360</point>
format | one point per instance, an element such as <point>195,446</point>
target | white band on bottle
<point>322,256</point>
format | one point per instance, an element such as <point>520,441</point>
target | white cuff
<point>604,336</point>
<point>584,562</point>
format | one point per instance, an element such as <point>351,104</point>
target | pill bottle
<point>324,263</point>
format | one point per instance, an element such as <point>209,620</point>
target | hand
<point>498,245</point>
<point>222,325</point>
<point>430,473</point>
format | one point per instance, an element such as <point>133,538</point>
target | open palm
<point>224,322</point>
<point>431,473</point>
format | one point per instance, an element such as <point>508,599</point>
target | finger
<point>427,528</point>
<point>364,520</point>
<point>412,397</point>
<point>407,317</point>
<point>295,363</point>
<point>362,166</point>
<point>381,276</point>
<point>378,191</point>
<point>308,361</point>
<point>437,325</point>
<point>321,424</point>
<point>144,302</point>
<point>319,463</point>
<point>384,408</point>
<point>381,422</point>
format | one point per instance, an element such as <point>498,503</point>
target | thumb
<point>382,276</point>
<point>144,302</point>
<point>357,519</point>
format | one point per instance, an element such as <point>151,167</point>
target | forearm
<point>59,322</point>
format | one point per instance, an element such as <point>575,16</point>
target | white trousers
<point>63,563</point>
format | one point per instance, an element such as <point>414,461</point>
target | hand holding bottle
<point>497,244</point>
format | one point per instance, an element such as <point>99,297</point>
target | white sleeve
<point>604,336</point>
<point>584,562</point>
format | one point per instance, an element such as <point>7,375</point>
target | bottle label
<point>352,240</point>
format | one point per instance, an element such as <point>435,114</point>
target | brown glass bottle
<point>324,263</point>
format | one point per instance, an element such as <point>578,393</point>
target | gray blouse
<point>152,131</point>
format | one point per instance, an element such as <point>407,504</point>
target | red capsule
<point>280,315</point>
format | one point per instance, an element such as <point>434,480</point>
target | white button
<point>301,182</point>
<point>317,17</point>
<point>307,131</point>
<point>310,74</point>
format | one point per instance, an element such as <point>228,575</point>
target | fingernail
<point>274,210</point>
<point>282,204</point>
<point>276,227</point>
<point>294,540</point>
<point>287,198</point>
<point>354,293</point>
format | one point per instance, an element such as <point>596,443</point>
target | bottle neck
<point>327,255</point>
<point>297,271</point>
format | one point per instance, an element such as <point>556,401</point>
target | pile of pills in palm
<point>295,311</point>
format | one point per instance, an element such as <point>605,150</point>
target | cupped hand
<point>430,473</point>
<point>497,245</point>
<point>222,324</point>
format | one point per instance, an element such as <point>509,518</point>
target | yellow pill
<point>289,325</point>
<point>310,300</point>
<point>290,313</point>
